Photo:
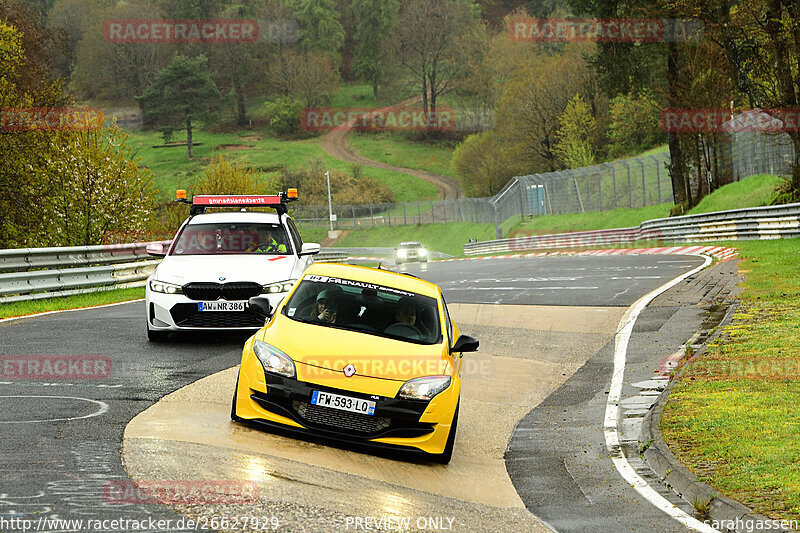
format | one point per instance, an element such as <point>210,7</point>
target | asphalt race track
<point>61,440</point>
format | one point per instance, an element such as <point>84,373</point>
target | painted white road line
<point>103,407</point>
<point>610,424</point>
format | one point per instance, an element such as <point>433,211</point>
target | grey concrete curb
<point>680,479</point>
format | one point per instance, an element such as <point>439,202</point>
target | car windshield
<point>231,238</point>
<point>366,308</point>
<point>409,245</point>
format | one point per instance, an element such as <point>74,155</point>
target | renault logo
<point>349,370</point>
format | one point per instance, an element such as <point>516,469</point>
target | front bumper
<point>281,402</point>
<point>177,312</point>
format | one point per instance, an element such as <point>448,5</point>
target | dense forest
<point>554,105</point>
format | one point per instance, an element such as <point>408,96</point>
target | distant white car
<point>218,261</point>
<point>409,252</point>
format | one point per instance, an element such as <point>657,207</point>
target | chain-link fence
<point>625,183</point>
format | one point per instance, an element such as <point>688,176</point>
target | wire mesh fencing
<point>625,183</point>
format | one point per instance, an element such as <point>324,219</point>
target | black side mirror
<point>465,343</point>
<point>261,306</point>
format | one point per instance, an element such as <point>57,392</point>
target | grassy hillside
<point>750,192</point>
<point>173,170</point>
<point>400,151</point>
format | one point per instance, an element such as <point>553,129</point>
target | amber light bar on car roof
<point>238,201</point>
<point>201,202</point>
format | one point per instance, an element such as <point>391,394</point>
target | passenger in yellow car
<point>406,312</point>
<point>326,306</point>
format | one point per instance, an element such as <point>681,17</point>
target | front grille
<point>355,422</point>
<point>188,316</point>
<point>214,291</point>
<point>202,291</point>
<point>240,291</point>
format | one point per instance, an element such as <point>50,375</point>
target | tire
<point>398,262</point>
<point>157,336</point>
<point>444,457</point>
<point>234,417</point>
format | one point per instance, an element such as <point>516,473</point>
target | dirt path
<point>336,145</point>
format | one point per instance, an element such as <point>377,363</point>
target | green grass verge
<point>734,417</point>
<point>753,191</point>
<point>447,238</point>
<point>173,170</point>
<point>70,302</point>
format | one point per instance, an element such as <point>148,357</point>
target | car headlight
<point>165,288</point>
<point>423,251</point>
<point>423,388</point>
<point>401,253</point>
<point>274,360</point>
<point>275,288</point>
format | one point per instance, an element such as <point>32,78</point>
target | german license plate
<point>343,403</point>
<point>221,306</point>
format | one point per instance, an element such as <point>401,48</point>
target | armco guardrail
<point>38,273</point>
<point>754,223</point>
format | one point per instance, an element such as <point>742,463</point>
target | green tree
<point>306,76</point>
<point>319,26</point>
<point>228,177</point>
<point>100,189</point>
<point>182,93</point>
<point>431,41</point>
<point>482,162</point>
<point>71,18</point>
<point>24,155</point>
<point>115,71</point>
<point>534,99</point>
<point>634,124</point>
<point>576,127</point>
<point>376,22</point>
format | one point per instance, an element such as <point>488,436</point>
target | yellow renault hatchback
<point>357,354</point>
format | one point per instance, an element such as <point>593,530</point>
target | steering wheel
<point>268,247</point>
<point>404,330</point>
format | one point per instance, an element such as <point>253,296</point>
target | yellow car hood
<point>319,350</point>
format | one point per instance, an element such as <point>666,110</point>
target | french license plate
<point>343,403</point>
<point>221,306</point>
